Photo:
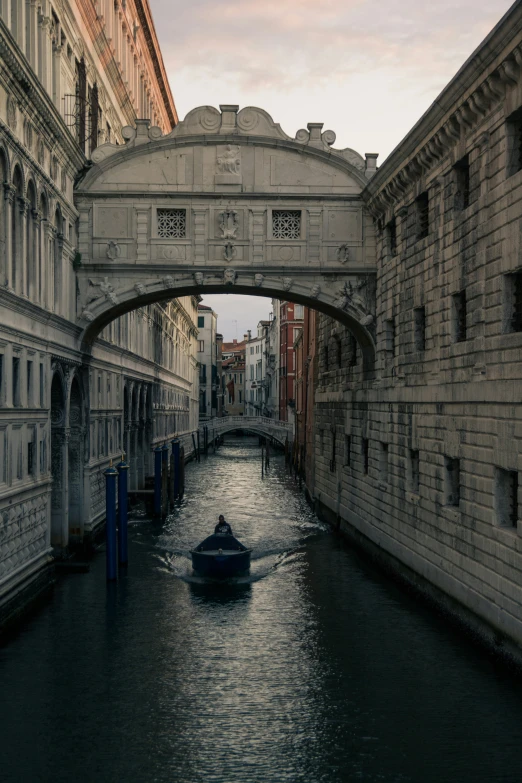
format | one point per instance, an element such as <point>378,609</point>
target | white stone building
<point>256,381</point>
<point>73,75</point>
<point>208,362</point>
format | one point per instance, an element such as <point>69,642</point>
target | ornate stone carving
<point>28,135</point>
<point>329,137</point>
<point>139,288</point>
<point>63,183</point>
<point>228,223</point>
<point>287,283</point>
<point>343,254</point>
<point>86,315</point>
<point>229,162</point>
<point>358,296</point>
<point>106,289</point>
<point>198,278</point>
<point>258,279</point>
<point>314,293</point>
<point>12,107</point>
<point>229,276</point>
<point>229,252</point>
<point>113,250</point>
<point>41,153</point>
<point>302,135</point>
<point>168,281</point>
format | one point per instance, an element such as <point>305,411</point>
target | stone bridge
<point>259,425</point>
<point>227,202</point>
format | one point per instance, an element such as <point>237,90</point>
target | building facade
<point>290,322</point>
<point>71,77</point>
<point>422,466</point>
<point>233,377</point>
<point>208,362</point>
<point>256,383</point>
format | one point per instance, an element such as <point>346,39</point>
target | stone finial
<point>315,128</point>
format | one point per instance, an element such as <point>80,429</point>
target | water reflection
<point>311,667</point>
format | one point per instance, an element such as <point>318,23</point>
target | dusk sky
<point>368,69</point>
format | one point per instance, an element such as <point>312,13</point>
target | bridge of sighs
<point>227,202</point>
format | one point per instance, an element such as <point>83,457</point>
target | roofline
<point>149,31</point>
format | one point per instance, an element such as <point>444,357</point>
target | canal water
<point>313,668</point>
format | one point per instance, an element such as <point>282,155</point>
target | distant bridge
<point>258,425</point>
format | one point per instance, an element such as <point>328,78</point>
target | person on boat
<point>223,526</point>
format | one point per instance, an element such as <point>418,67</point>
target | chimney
<point>234,341</point>
<point>246,336</point>
<point>249,334</point>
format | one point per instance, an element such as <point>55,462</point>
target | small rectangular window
<point>30,458</point>
<point>389,336</point>
<point>347,450</point>
<point>514,142</point>
<point>506,497</point>
<point>365,454</point>
<point>41,385</point>
<point>16,381</point>
<point>391,237</point>
<point>452,481</point>
<point>298,312</point>
<point>413,471</point>
<point>286,223</point>
<point>29,383</point>
<point>422,204</point>
<point>201,346</point>
<point>172,223</point>
<point>383,463</point>
<point>461,170</point>
<point>419,327</point>
<point>513,302</point>
<point>352,351</point>
<point>201,321</point>
<point>459,317</point>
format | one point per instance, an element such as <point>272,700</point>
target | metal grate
<point>286,224</point>
<point>172,223</point>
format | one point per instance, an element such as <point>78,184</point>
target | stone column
<point>22,254</point>
<point>34,273</point>
<point>6,262</point>
<point>57,76</point>
<point>32,33</point>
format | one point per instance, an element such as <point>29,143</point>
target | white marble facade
<point>63,414</point>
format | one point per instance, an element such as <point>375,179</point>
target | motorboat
<point>220,556</point>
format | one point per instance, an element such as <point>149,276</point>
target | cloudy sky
<point>368,69</point>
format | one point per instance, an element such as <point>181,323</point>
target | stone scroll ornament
<point>356,296</point>
<point>314,293</point>
<point>113,251</point>
<point>228,223</point>
<point>343,254</point>
<point>229,276</point>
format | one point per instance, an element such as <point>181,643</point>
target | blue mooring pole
<point>175,454</point>
<point>123,549</point>
<point>165,481</point>
<point>157,481</point>
<point>110,524</point>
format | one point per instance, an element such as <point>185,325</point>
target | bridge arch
<point>227,202</point>
<point>281,431</point>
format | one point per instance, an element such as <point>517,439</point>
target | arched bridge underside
<point>227,202</point>
<point>281,431</point>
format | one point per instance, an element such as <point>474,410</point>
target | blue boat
<point>220,556</point>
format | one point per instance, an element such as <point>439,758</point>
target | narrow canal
<point>314,668</point>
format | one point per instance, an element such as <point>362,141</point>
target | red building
<point>306,367</point>
<point>290,322</point>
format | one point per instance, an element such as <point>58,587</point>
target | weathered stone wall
<point>443,419</point>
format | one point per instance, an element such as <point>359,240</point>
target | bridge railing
<point>260,423</point>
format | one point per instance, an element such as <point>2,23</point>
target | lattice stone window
<point>286,223</point>
<point>172,223</point>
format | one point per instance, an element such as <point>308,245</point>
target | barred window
<point>172,223</point>
<point>286,223</point>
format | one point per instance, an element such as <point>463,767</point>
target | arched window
<point>57,261</point>
<point>16,231</point>
<point>43,254</point>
